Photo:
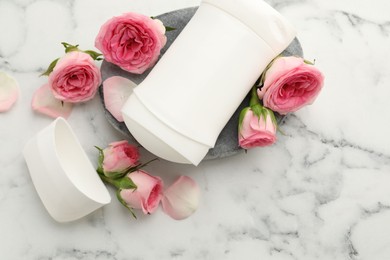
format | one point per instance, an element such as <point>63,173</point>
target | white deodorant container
<point>178,111</point>
<point>65,179</point>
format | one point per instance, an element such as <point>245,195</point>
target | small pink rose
<point>45,103</point>
<point>116,90</point>
<point>181,199</point>
<point>290,84</point>
<point>257,130</point>
<point>75,78</point>
<point>132,41</point>
<point>9,92</point>
<point>119,157</point>
<point>148,194</point>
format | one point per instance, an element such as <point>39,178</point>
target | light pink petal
<point>181,199</point>
<point>116,90</point>
<point>160,26</point>
<point>9,91</point>
<point>45,103</point>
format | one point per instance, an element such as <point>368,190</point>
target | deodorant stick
<point>180,108</point>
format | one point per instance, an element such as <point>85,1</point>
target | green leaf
<point>168,28</point>
<point>70,47</point>
<point>254,98</point>
<point>94,55</point>
<point>241,117</point>
<point>309,62</point>
<point>121,174</point>
<point>257,110</point>
<point>127,183</point>
<point>50,68</point>
<point>100,159</point>
<point>119,197</point>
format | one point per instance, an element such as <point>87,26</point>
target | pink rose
<point>119,157</point>
<point>132,41</point>
<point>148,194</point>
<point>75,78</point>
<point>257,130</point>
<point>290,84</point>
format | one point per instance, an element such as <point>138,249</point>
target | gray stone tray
<point>227,142</point>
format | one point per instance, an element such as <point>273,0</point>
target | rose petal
<point>160,26</point>
<point>45,103</point>
<point>181,199</point>
<point>116,90</point>
<point>9,91</point>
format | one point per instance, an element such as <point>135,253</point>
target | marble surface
<point>322,192</point>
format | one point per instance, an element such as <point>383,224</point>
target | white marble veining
<point>322,192</point>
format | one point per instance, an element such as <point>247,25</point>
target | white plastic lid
<point>67,183</point>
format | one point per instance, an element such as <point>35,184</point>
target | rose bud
<point>75,78</point>
<point>131,41</point>
<point>290,84</point>
<point>118,158</point>
<point>256,125</point>
<point>257,129</point>
<point>148,194</point>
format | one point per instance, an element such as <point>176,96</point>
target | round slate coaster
<point>227,142</point>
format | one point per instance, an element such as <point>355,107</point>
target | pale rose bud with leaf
<point>257,128</point>
<point>146,196</point>
<point>257,125</point>
<point>289,84</point>
<point>131,41</point>
<point>118,165</point>
<point>117,159</point>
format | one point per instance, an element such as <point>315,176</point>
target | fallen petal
<point>9,91</point>
<point>116,90</point>
<point>181,199</point>
<point>45,103</point>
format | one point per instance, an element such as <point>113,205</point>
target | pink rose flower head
<point>75,78</point>
<point>290,84</point>
<point>118,157</point>
<point>256,128</point>
<point>148,194</point>
<point>132,41</point>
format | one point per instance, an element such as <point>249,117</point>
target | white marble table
<point>322,192</point>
